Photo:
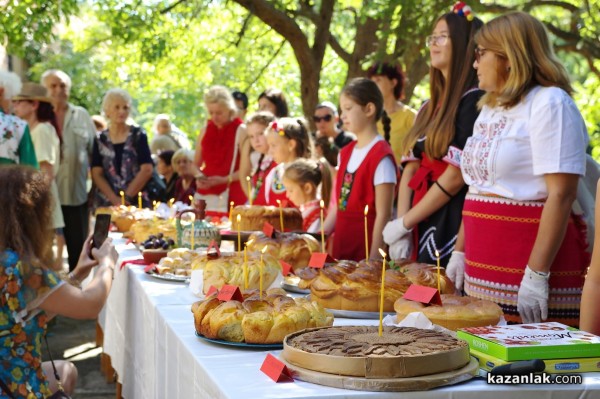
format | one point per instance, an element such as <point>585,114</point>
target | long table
<point>149,335</point>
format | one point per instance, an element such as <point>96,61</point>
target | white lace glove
<point>455,270</point>
<point>532,302</point>
<point>402,248</point>
<point>394,231</point>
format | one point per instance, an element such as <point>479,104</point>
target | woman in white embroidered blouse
<point>523,247</point>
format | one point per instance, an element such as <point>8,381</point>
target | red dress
<point>217,153</point>
<point>274,188</point>
<point>258,182</point>
<point>311,212</point>
<point>354,191</point>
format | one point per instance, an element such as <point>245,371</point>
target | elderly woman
<point>32,293</point>
<point>121,158</point>
<point>523,247</point>
<point>185,186</point>
<point>218,152</point>
<point>16,146</point>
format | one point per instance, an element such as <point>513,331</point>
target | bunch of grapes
<point>158,242</point>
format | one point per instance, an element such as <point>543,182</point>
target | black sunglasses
<point>326,118</point>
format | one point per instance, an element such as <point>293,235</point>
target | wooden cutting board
<point>422,383</point>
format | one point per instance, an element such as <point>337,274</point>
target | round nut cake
<point>360,351</point>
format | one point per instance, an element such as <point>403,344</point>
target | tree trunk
<point>310,59</point>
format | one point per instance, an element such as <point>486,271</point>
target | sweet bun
<point>295,249</point>
<point>255,320</point>
<point>349,285</point>
<point>253,218</point>
<point>230,270</point>
<point>456,311</point>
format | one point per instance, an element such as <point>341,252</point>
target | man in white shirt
<point>78,134</point>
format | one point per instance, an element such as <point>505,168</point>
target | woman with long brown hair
<point>31,292</point>
<point>432,189</point>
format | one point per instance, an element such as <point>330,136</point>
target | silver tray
<point>169,277</point>
<point>294,288</point>
<point>356,314</point>
<point>240,344</point>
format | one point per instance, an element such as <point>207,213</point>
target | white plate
<point>169,277</point>
<point>356,314</point>
<point>293,288</point>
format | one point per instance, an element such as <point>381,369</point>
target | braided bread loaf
<point>255,320</point>
<point>295,249</point>
<point>349,285</point>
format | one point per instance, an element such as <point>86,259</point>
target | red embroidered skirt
<point>499,237</point>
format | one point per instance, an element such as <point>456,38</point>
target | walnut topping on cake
<point>358,341</point>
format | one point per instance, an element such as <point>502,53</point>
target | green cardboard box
<point>532,341</point>
<point>553,366</point>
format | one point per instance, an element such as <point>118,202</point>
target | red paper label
<point>276,369</point>
<point>426,295</point>
<point>230,292</point>
<point>268,229</point>
<point>285,267</point>
<point>150,267</point>
<point>213,245</point>
<point>318,260</point>
<point>212,290</point>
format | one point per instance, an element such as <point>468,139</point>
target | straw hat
<point>33,92</point>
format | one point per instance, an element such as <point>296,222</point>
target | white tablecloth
<point>149,335</point>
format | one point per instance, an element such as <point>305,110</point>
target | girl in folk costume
<point>302,179</point>
<point>432,189</point>
<point>288,140</point>
<point>256,162</point>
<point>523,246</point>
<point>367,175</point>
<point>216,150</point>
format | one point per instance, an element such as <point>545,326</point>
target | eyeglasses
<point>437,40</point>
<point>479,52</point>
<point>326,118</point>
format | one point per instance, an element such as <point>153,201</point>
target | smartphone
<point>100,230</point>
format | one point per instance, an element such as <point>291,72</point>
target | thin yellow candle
<point>193,217</point>
<point>249,189</point>
<point>231,211</point>
<point>122,197</point>
<point>246,264</point>
<point>262,252</point>
<point>280,215</point>
<point>381,293</point>
<point>366,233</point>
<point>437,256</point>
<point>154,206</point>
<point>171,202</point>
<point>239,224</point>
<point>140,200</point>
<point>322,227</point>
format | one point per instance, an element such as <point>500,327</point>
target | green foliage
<point>27,25</point>
<point>167,57</point>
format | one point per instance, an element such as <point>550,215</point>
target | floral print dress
<point>22,325</point>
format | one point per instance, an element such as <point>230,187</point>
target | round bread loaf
<point>349,285</point>
<point>295,249</point>
<point>456,311</point>
<point>229,269</point>
<point>260,321</point>
<point>253,218</point>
